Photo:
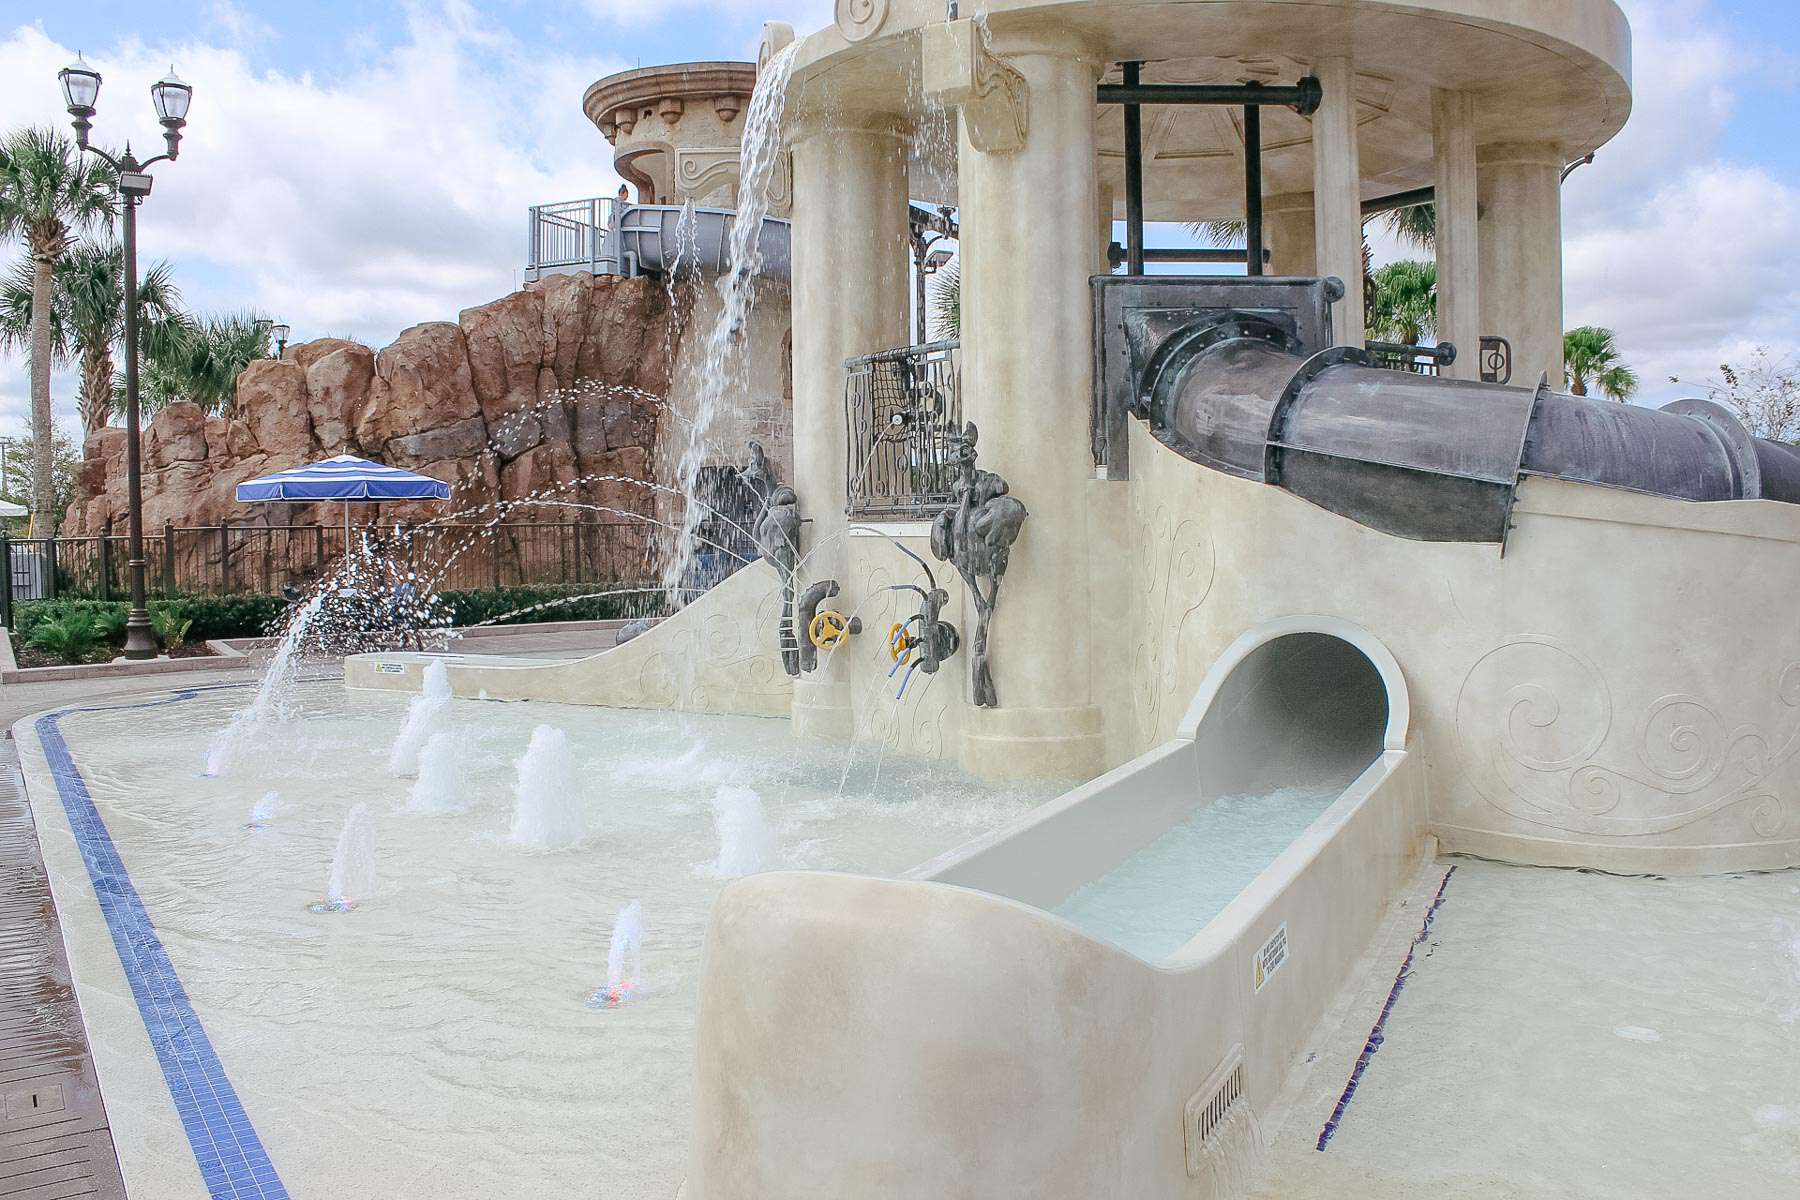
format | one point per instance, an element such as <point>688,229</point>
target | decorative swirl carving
<point>1534,718</point>
<point>776,37</point>
<point>1682,739</point>
<point>1789,686</point>
<point>859,20</point>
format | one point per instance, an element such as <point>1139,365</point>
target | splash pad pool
<point>438,1037</point>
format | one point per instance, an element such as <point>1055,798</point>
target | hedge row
<point>257,615</point>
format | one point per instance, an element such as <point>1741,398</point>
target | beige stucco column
<point>1458,253</point>
<point>1520,194</point>
<point>850,294</point>
<point>1029,219</point>
<point>1337,194</point>
<point>1103,224</point>
<point>1288,229</point>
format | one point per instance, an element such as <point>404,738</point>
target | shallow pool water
<point>1154,902</point>
<point>438,1039</point>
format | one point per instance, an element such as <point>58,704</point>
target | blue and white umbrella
<point>346,479</point>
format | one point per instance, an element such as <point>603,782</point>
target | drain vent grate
<point>1208,1108</point>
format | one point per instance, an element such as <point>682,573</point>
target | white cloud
<point>393,194</point>
<point>1688,256</point>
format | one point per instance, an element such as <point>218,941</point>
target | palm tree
<point>48,193</point>
<point>1592,359</point>
<point>946,301</point>
<point>1415,226</point>
<point>200,361</point>
<point>1403,304</point>
<point>88,317</point>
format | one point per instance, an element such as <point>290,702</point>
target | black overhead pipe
<point>1134,177</point>
<point>1115,254</point>
<point>1253,200</point>
<point>1302,97</point>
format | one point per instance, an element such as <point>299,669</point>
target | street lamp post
<point>170,96</point>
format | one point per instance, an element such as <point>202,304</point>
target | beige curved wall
<point>1612,693</point>
<point>717,655</point>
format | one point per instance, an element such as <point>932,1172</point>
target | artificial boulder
<point>517,396</point>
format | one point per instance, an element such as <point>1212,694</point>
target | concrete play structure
<point>1178,538</point>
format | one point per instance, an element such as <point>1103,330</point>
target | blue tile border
<point>1379,1034</point>
<point>231,1158</point>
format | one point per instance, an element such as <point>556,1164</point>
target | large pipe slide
<point>1236,375</point>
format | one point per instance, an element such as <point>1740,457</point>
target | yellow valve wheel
<point>899,644</point>
<point>828,629</point>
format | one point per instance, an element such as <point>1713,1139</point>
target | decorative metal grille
<point>901,408</point>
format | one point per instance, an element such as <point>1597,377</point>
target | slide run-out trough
<point>979,1029</point>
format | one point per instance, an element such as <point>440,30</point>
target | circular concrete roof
<point>646,85</point>
<point>1541,72</point>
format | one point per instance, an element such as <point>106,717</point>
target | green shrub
<point>203,618</point>
<point>101,614</point>
<point>230,616</point>
<point>71,636</point>
<point>170,625</point>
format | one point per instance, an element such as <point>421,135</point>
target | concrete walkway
<point>54,1136</point>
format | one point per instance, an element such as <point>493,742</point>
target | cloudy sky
<point>354,168</point>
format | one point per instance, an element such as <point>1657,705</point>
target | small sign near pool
<point>390,668</point>
<point>1271,958</point>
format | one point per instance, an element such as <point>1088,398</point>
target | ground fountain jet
<point>352,877</point>
<point>746,843</point>
<point>265,811</point>
<point>438,788</point>
<point>424,716</point>
<point>624,959</point>
<point>547,798</point>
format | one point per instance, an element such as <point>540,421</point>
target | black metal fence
<point>902,410</point>
<point>237,559</point>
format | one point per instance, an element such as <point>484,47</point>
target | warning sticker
<point>1271,958</point>
<point>390,668</point>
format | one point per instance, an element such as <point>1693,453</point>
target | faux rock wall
<point>541,388</point>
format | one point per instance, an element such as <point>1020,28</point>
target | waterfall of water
<point>438,789</point>
<point>746,844</point>
<point>624,958</point>
<point>352,864</point>
<point>547,809</point>
<point>425,715</point>
<point>270,702</point>
<point>759,152</point>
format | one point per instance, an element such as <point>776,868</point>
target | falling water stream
<point>723,372</point>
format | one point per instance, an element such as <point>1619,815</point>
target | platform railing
<point>902,409</point>
<point>572,235</point>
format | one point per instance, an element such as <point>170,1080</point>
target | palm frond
<point>946,302</point>
<point>1415,226</point>
<point>1592,360</point>
<point>1403,304</point>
